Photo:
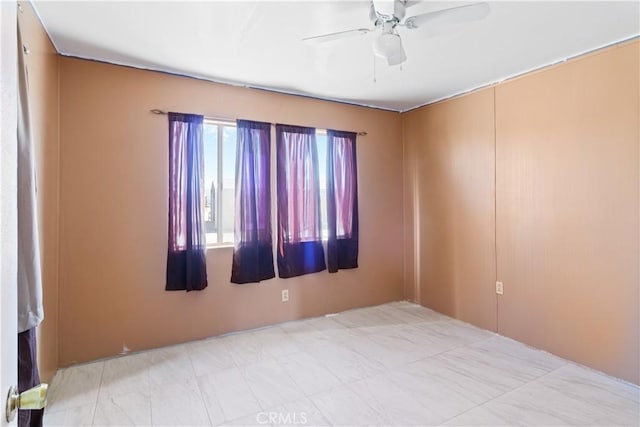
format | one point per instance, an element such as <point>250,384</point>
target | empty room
<point>320,213</point>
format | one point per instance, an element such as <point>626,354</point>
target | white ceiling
<point>259,43</point>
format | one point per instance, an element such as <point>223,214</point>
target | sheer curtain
<point>253,252</point>
<point>30,308</point>
<point>342,201</point>
<point>300,248</point>
<point>186,262</point>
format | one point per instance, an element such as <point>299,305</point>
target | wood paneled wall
<point>564,146</point>
<point>567,210</point>
<point>450,175</point>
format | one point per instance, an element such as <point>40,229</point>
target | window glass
<point>219,178</point>
<point>321,143</point>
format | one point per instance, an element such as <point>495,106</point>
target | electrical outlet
<point>499,288</point>
<point>285,295</point>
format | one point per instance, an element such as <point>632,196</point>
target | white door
<point>8,202</point>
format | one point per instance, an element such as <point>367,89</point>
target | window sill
<point>219,246</point>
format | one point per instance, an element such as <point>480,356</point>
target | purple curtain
<point>186,263</point>
<point>28,376</point>
<point>342,201</point>
<point>299,235</point>
<point>253,252</point>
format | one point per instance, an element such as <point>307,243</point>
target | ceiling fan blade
<point>387,9</point>
<point>454,15</point>
<point>336,36</point>
<point>384,7</point>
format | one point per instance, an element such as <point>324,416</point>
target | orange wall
<point>42,65</point>
<point>449,178</point>
<point>113,208</point>
<point>566,208</point>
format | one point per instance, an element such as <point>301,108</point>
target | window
<point>219,181</point>
<point>321,144</point>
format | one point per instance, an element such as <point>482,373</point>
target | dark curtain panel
<point>253,252</point>
<point>342,201</point>
<point>299,235</point>
<point>186,264</point>
<point>28,376</point>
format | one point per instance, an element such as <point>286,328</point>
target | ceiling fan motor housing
<point>387,11</point>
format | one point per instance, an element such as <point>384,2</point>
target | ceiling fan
<point>387,16</point>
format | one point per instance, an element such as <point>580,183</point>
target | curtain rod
<point>157,111</point>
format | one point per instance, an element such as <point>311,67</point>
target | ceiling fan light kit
<point>389,47</point>
<point>387,16</point>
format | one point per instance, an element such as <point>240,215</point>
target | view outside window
<point>321,143</point>
<point>219,181</point>
<point>220,175</point>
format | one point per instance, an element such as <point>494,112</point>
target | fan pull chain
<point>374,68</point>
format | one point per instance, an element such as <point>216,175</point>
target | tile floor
<point>394,364</point>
